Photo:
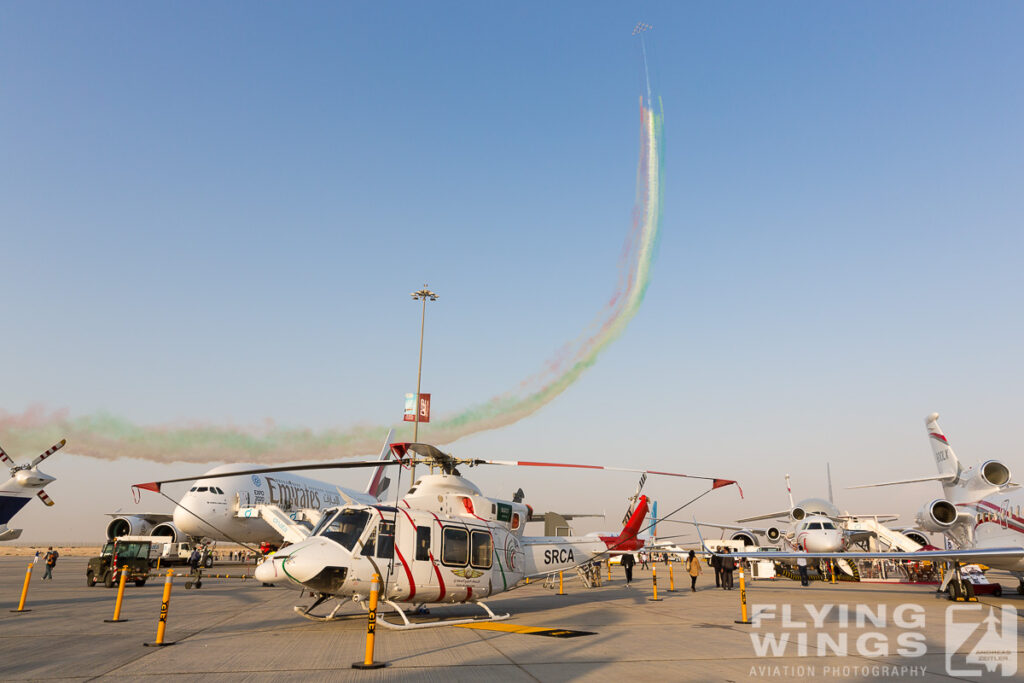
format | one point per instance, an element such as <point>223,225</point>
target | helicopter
<point>443,542</point>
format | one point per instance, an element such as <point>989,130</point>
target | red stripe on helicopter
<point>150,486</point>
<point>440,579</point>
<point>408,573</point>
<point>469,594</point>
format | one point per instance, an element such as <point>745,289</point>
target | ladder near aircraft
<point>893,540</point>
<point>293,527</point>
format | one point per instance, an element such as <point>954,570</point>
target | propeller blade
<point>6,459</point>
<point>45,498</point>
<point>718,483</point>
<point>53,449</point>
<point>155,485</point>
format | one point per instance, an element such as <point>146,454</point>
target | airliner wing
<point>729,527</point>
<point>982,555</point>
<point>937,477</point>
<point>888,517</point>
<point>773,515</point>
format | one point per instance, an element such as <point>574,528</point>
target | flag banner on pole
<point>410,408</point>
<point>424,407</point>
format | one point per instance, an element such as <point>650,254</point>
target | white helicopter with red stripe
<point>444,541</point>
<point>25,483</point>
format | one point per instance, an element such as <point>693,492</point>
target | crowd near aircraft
<point>26,482</point>
<point>443,542</point>
<point>981,511</point>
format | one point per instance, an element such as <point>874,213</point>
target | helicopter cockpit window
<point>386,540</point>
<point>346,527</point>
<point>455,547</point>
<point>515,521</point>
<point>482,550</point>
<point>325,518</point>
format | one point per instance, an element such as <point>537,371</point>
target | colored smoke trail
<point>109,437</point>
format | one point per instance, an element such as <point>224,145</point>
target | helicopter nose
<point>317,564</point>
<point>270,570</point>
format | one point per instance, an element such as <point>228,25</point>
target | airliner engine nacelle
<point>773,534</point>
<point>128,525</point>
<point>798,513</point>
<point>986,478</point>
<point>746,535</point>
<point>169,530</point>
<point>938,515</point>
<point>917,536</point>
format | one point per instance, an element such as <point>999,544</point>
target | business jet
<point>815,525</point>
<point>25,483</point>
<point>981,511</point>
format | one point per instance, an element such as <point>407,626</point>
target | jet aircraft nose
<point>824,542</point>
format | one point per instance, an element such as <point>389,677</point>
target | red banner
<point>424,409</point>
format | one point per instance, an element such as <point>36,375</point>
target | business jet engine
<point>917,536</point>
<point>937,516</point>
<point>747,536</point>
<point>773,535</point>
<point>133,525</point>
<point>986,478</point>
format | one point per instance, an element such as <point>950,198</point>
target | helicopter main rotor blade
<point>155,485</point>
<point>6,459</point>
<point>718,482</point>
<point>53,449</point>
<point>45,498</point>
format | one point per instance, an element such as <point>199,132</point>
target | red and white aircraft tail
<point>627,541</point>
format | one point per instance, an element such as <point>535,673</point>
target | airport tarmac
<point>232,630</point>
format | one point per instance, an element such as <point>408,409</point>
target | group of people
<point>724,565</point>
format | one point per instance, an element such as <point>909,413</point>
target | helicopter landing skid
<point>491,616</point>
<point>306,612</point>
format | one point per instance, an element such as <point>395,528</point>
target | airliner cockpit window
<point>346,527</point>
<point>827,525</point>
<point>814,525</point>
<point>201,489</point>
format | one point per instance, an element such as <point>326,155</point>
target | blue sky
<point>217,213</point>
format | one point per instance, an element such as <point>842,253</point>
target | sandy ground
<point>65,551</point>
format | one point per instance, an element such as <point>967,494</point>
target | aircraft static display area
<point>443,542</point>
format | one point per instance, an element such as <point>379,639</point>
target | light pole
<point>423,295</point>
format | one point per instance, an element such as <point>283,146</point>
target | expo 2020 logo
<point>256,480</point>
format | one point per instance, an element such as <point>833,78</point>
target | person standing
<point>693,566</point>
<point>716,564</point>
<point>627,564</point>
<point>51,561</point>
<point>801,564</point>
<point>728,565</point>
<point>193,560</point>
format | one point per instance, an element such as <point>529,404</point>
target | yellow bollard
<point>24,588</point>
<point>161,626</point>
<point>371,627</point>
<point>609,561</point>
<point>832,564</point>
<point>671,579</point>
<point>743,598</point>
<point>654,579</point>
<point>561,585</point>
<point>527,580</point>
<point>120,596</point>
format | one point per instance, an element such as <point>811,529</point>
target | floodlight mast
<point>423,295</point>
